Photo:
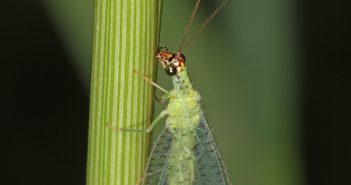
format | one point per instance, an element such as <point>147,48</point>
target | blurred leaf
<point>73,20</point>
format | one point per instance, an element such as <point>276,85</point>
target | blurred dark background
<point>45,107</point>
<point>45,101</point>
<point>324,44</point>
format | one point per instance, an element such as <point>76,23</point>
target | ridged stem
<point>125,38</point>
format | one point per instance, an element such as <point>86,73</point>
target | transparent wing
<point>156,170</point>
<point>210,166</point>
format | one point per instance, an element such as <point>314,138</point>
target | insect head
<point>172,63</point>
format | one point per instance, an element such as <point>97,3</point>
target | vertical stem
<point>125,38</point>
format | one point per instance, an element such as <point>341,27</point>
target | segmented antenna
<point>187,41</point>
<point>190,22</point>
<point>205,23</point>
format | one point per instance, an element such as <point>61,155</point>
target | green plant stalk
<point>125,38</point>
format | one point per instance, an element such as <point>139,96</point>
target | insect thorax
<point>184,106</point>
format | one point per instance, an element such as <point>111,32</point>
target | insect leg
<point>142,178</point>
<point>108,125</point>
<point>156,120</point>
<point>149,129</point>
<point>149,80</point>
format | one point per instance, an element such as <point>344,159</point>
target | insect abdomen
<point>181,169</point>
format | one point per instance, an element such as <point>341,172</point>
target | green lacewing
<point>185,151</point>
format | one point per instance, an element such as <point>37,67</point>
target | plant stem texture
<point>125,39</point>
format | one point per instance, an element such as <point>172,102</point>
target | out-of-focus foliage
<point>74,20</point>
<point>243,64</point>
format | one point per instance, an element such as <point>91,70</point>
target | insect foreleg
<point>156,120</point>
<point>150,81</point>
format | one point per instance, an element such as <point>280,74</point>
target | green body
<point>183,113</point>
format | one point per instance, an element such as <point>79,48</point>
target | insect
<point>185,152</point>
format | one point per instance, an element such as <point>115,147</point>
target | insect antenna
<point>186,42</point>
<point>187,28</point>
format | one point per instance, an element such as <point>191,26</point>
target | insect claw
<point>164,48</point>
<point>118,129</point>
<point>110,126</point>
